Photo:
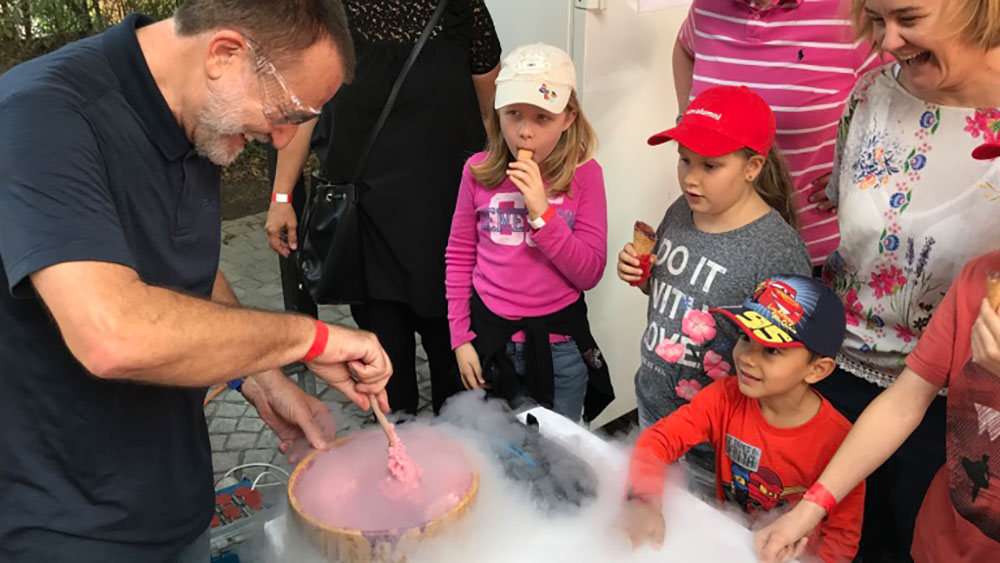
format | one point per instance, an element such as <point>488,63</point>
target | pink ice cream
<point>352,486</point>
<point>404,473</point>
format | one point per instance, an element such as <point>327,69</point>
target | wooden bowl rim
<point>294,501</point>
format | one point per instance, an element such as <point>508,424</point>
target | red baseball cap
<point>722,120</point>
<point>987,151</point>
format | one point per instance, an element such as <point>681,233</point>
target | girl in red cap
<point>733,226</point>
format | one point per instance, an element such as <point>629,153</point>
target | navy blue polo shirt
<point>93,166</point>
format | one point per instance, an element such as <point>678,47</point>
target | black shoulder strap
<point>391,100</point>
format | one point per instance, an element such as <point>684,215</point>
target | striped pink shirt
<point>802,58</point>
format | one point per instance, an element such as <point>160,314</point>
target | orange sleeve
<point>840,532</point>
<point>670,438</point>
<point>932,357</point>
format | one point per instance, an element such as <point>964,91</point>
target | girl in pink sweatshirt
<point>528,237</point>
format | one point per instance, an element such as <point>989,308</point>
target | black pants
<point>396,324</point>
<point>895,490</point>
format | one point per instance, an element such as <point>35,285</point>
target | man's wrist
<point>321,335</point>
<point>279,197</point>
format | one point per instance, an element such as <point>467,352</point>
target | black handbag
<point>329,259</point>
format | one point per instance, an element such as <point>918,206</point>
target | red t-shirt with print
<point>757,466</point>
<point>959,520</point>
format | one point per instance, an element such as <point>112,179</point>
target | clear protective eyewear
<point>281,106</point>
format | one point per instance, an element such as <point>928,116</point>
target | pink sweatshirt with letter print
<point>518,271</point>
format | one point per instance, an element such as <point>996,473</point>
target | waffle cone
<point>993,290</point>
<point>643,238</point>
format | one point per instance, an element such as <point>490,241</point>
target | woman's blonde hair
<point>978,21</point>
<point>774,183</point>
<point>576,146</point>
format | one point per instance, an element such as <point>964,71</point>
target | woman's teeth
<point>916,58</point>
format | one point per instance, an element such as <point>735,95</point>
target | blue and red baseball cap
<point>792,311</point>
<point>722,120</point>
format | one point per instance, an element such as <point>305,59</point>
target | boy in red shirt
<point>959,520</point>
<point>772,433</point>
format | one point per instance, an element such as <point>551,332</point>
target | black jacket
<point>493,333</point>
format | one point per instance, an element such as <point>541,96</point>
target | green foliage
<point>29,28</point>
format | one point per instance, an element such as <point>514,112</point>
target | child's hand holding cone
<point>635,261</point>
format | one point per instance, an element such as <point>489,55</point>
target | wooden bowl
<point>370,546</point>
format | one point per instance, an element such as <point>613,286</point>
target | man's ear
<point>820,369</point>
<point>224,49</point>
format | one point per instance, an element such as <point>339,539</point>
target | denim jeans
<point>569,374</point>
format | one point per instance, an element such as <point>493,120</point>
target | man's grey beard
<point>212,138</point>
<point>219,120</point>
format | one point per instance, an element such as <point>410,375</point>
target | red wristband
<point>550,212</point>
<point>281,198</point>
<point>822,496</point>
<point>319,342</point>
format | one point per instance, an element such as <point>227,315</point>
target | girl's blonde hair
<point>774,183</point>
<point>978,21</point>
<point>576,146</point>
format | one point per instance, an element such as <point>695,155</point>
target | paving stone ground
<point>237,434</point>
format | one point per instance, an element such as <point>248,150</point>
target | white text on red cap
<point>705,112</point>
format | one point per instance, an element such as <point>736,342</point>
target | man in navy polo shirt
<point>117,316</point>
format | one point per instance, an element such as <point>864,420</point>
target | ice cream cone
<point>643,238</point>
<point>993,290</point>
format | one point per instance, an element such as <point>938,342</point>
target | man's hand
<point>355,364</point>
<point>786,538</point>
<point>528,178</point>
<point>986,339</point>
<point>468,366</point>
<point>642,521</point>
<point>289,411</point>
<point>280,228</point>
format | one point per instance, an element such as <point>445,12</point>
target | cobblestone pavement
<point>237,434</point>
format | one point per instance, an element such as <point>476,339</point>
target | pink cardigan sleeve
<point>460,261</point>
<point>580,253</point>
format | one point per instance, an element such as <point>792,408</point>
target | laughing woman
<point>914,206</point>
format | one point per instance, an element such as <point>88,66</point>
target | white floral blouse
<point>914,207</point>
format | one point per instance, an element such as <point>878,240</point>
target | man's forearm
<point>223,293</point>
<point>118,327</point>
<point>193,342</point>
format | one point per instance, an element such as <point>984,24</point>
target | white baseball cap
<point>538,74</point>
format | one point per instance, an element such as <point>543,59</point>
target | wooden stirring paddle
<point>387,426</point>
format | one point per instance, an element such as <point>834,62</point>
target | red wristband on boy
<point>821,496</point>
<point>281,198</point>
<point>319,342</point>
